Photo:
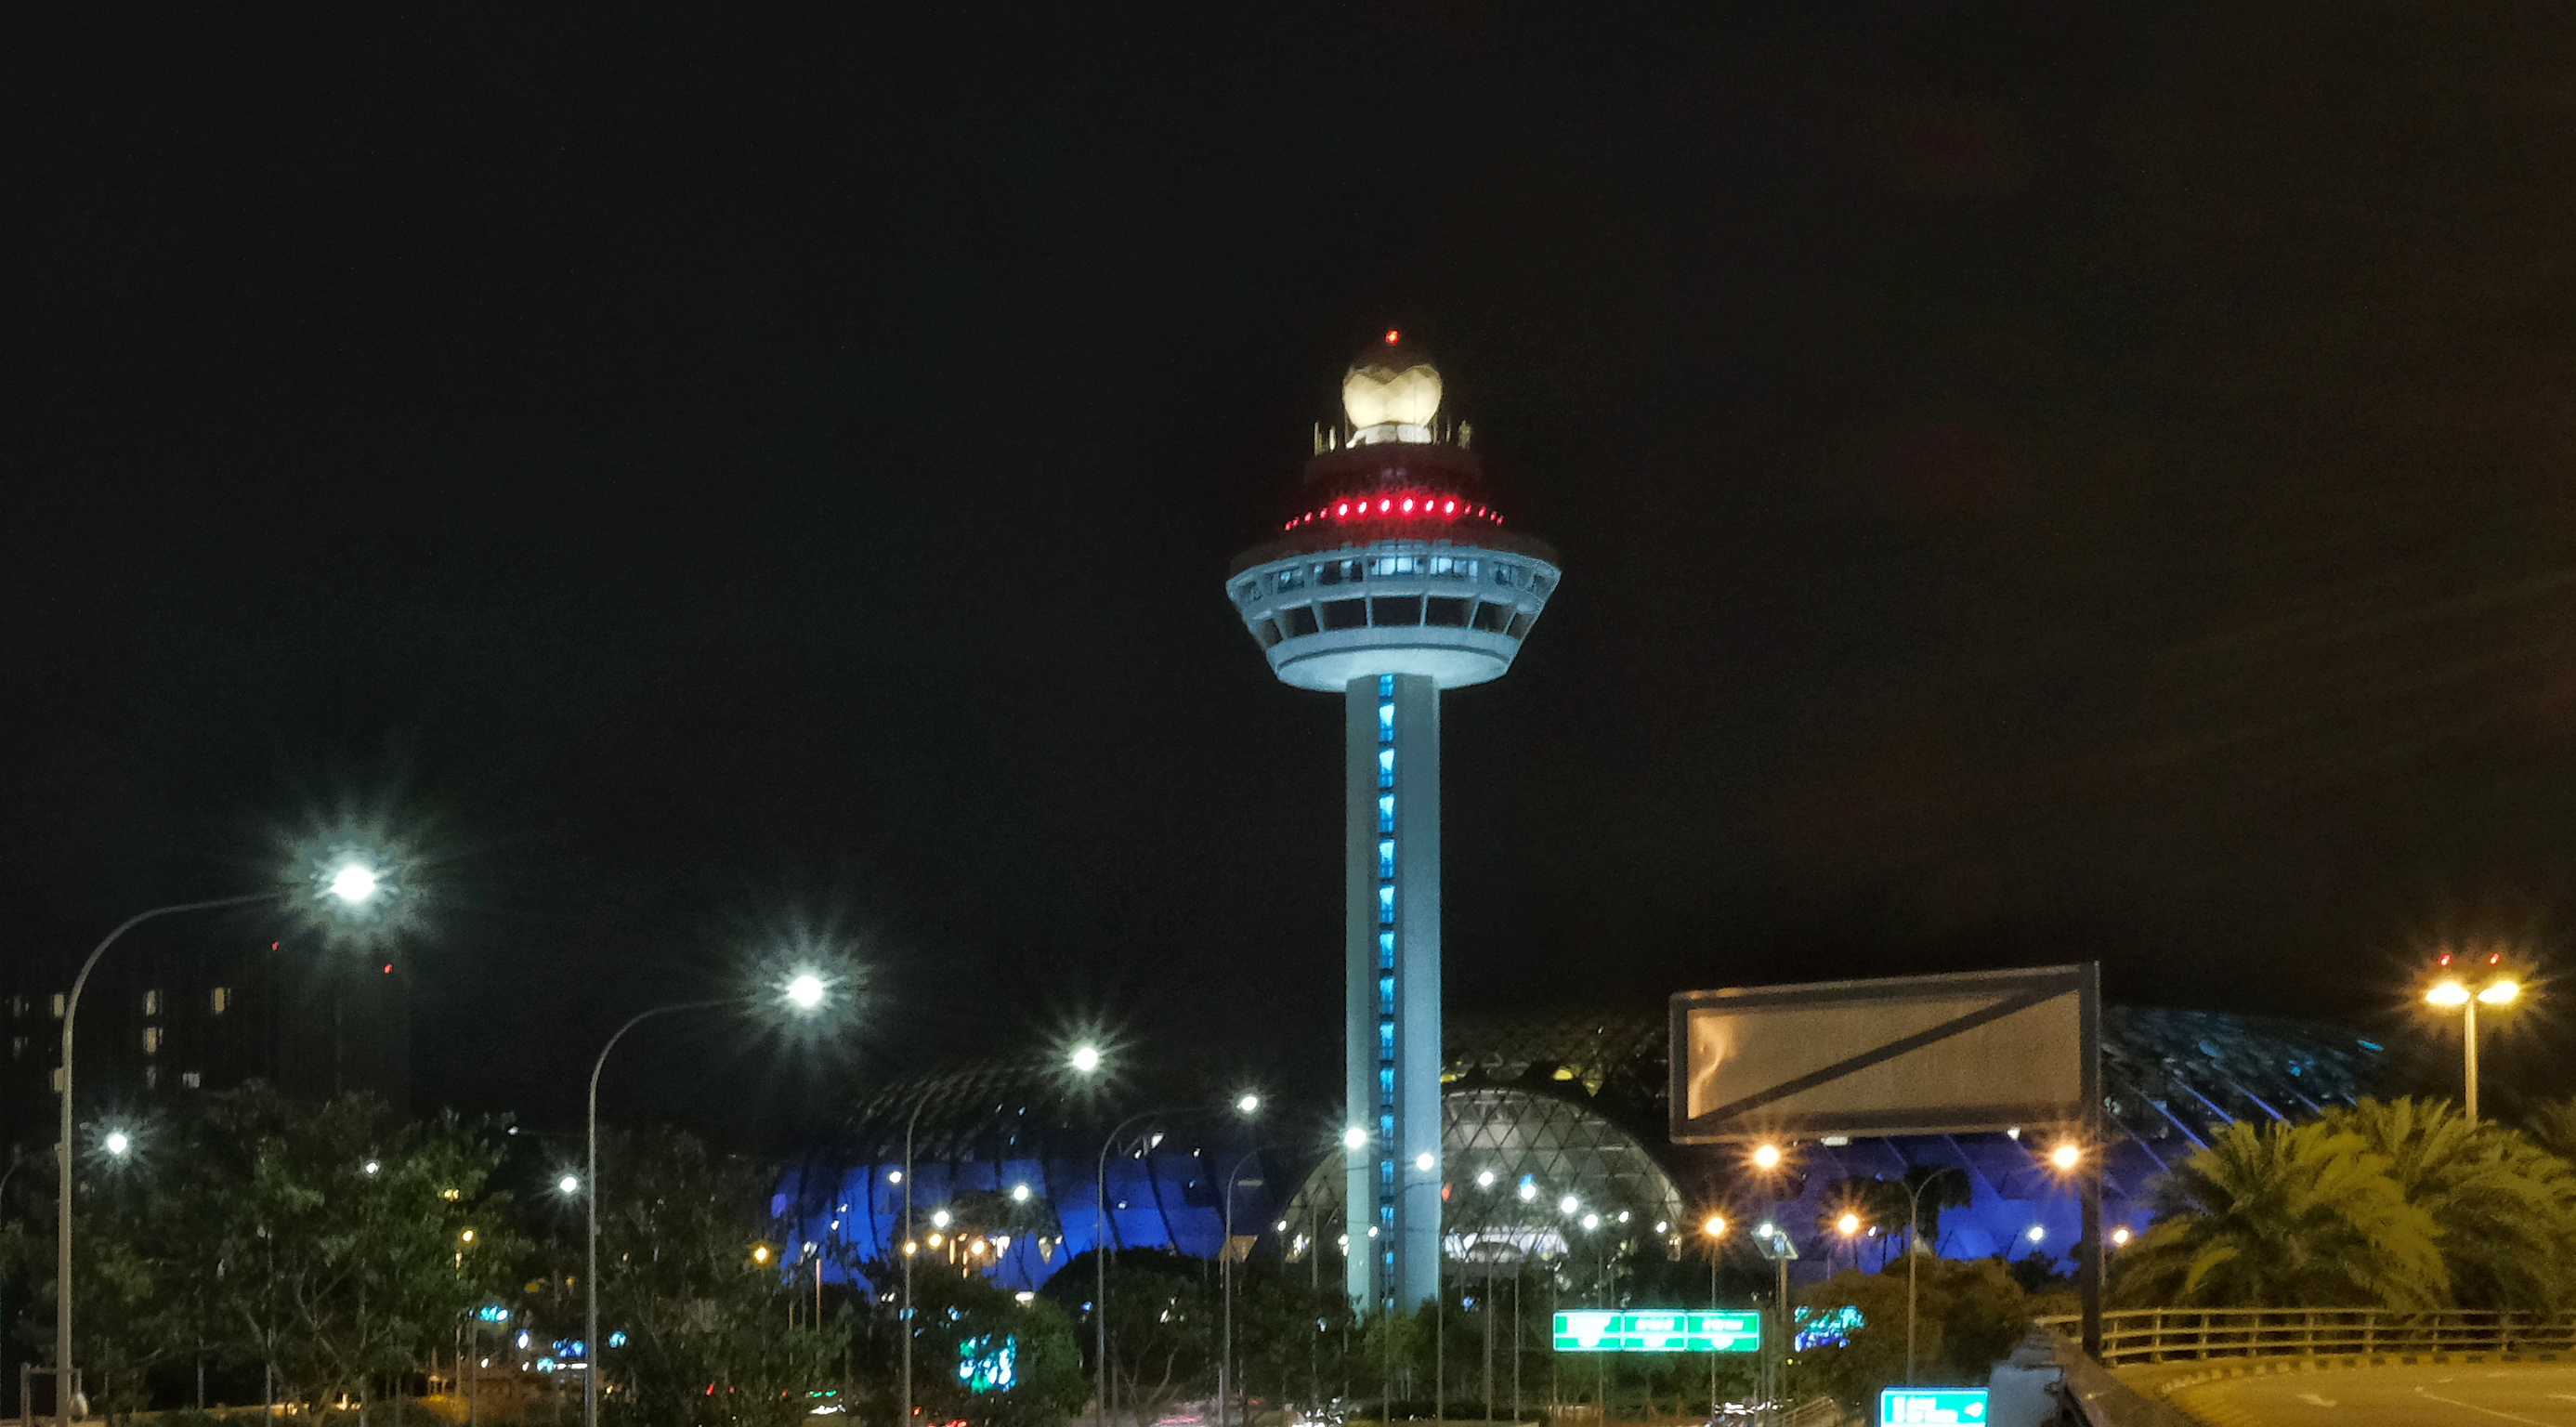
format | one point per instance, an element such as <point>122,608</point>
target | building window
<point>151,1040</point>
<point>58,1005</point>
<point>1386,768</point>
<point>17,1047</point>
<point>1386,995</point>
<point>1299,621</point>
<point>220,999</point>
<point>191,1079</point>
<point>152,1003</point>
<point>1540,585</point>
<point>1396,612</point>
<point>1386,813</point>
<point>1520,626</point>
<point>1506,576</point>
<point>1386,951</point>
<point>1265,632</point>
<point>1493,617</point>
<point>1386,859</point>
<point>1386,723</point>
<point>1386,906</point>
<point>1345,614</point>
<point>1447,613</point>
<point>1289,579</point>
<point>151,1077</point>
<point>17,1007</point>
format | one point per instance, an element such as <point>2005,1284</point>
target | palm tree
<point>2281,1216</point>
<point>2553,1127</point>
<point>2505,1209</point>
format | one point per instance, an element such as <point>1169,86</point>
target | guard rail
<point>2164,1335</point>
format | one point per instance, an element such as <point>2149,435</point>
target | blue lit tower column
<point>1394,580</point>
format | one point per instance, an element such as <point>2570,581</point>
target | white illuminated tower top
<point>1424,578</point>
<point>1393,580</point>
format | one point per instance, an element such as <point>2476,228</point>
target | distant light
<point>1663,1227</point>
<point>760,1254</point>
<point>1766,1156</point>
<point>1025,1297</point>
<point>2119,1236</point>
<point>2499,993</point>
<point>805,991</point>
<point>1591,1221</point>
<point>2037,1233</point>
<point>939,1220</point>
<point>1248,1104</point>
<point>1391,336</point>
<point>1019,1194</point>
<point>1484,1179</point>
<point>1354,1138</point>
<point>466,1237</point>
<point>2065,1156</point>
<point>354,884</point>
<point>1424,1161</point>
<point>568,1184</point>
<point>1849,1224</point>
<point>1086,1058</point>
<point>2449,993</point>
<point>1714,1226</point>
<point>118,1142</point>
<point>1568,1204</point>
<point>372,1166</point>
<point>894,1176</point>
<point>1528,1192</point>
<point>1767,1230</point>
<point>2014,1133</point>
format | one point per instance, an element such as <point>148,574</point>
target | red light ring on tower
<point>1397,505</point>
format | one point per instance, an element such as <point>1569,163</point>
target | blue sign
<point>1932,1407</point>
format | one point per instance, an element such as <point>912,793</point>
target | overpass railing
<point>2165,1335</point>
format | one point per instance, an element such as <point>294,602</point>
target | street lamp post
<point>1102,1236</point>
<point>590,1349</point>
<point>1225,1264</point>
<point>1714,1227</point>
<point>1913,1247</point>
<point>353,884</point>
<point>2499,989</point>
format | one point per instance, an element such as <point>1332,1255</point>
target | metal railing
<point>2165,1335</point>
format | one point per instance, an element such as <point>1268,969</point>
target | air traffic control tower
<point>1393,579</point>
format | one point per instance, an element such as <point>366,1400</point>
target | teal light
<point>1932,1407</point>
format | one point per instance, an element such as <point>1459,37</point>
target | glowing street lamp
<point>803,993</point>
<point>1713,1228</point>
<point>1085,1061</point>
<point>1766,1157</point>
<point>2065,1156</point>
<point>355,885</point>
<point>2489,984</point>
<point>1246,1107</point>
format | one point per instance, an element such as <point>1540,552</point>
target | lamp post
<point>1913,1247</point>
<point>1775,1245</point>
<point>1225,1263</point>
<point>1713,1228</point>
<point>353,885</point>
<point>1102,1236</point>
<point>1085,1060</point>
<point>590,1200</point>
<point>2496,988</point>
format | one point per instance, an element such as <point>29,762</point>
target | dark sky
<point>2036,482</point>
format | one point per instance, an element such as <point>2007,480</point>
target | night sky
<point>2036,482</point>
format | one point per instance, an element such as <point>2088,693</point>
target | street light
<point>2065,1156</point>
<point>2490,984</point>
<point>803,993</point>
<point>1102,1235</point>
<point>1766,1157</point>
<point>117,1143</point>
<point>354,884</point>
<point>1714,1228</point>
<point>1225,1359</point>
<point>1085,1060</point>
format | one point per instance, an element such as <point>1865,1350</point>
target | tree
<point>699,1317</point>
<point>1968,1315</point>
<point>965,1320</point>
<point>2505,1209</point>
<point>1162,1328</point>
<point>2280,1216</point>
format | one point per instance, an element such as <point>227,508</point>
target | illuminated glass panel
<point>1386,995</point>
<point>1386,813</point>
<point>1386,951</point>
<point>1386,723</point>
<point>1386,768</point>
<point>1386,906</point>
<point>1386,858</point>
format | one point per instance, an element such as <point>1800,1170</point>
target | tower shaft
<point>1392,1076</point>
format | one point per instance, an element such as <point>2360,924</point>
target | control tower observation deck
<point>1394,579</point>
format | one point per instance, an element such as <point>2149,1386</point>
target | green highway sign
<point>1932,1407</point>
<point>1656,1330</point>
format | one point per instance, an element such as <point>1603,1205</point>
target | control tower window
<point>1345,614</point>
<point>1388,610</point>
<point>1265,631</point>
<point>1492,616</point>
<point>1446,612</point>
<point>1292,578</point>
<point>1506,576</point>
<point>1386,565</point>
<point>1520,626</point>
<point>1540,584</point>
<point>1299,619</point>
<point>1453,567</point>
<point>1338,572</point>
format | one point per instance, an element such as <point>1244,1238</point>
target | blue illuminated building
<point>1393,580</point>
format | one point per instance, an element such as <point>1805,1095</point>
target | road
<point>2446,1395</point>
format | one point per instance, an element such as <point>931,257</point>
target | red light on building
<point>389,968</point>
<point>1391,335</point>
